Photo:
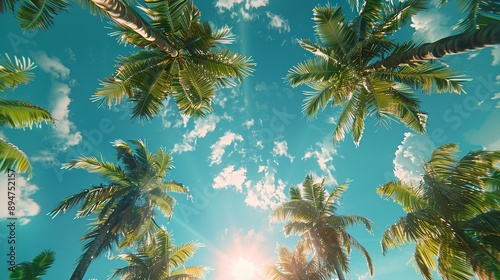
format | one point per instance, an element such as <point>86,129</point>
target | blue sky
<point>240,160</point>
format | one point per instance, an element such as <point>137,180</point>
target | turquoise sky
<point>240,160</point>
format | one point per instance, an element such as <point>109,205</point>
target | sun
<point>243,269</point>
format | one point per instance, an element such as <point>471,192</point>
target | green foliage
<point>13,73</point>
<point>344,73</point>
<point>158,258</point>
<point>311,213</point>
<point>17,114</point>
<point>35,268</point>
<point>126,206</point>
<point>452,217</point>
<point>190,75</point>
<point>36,14</point>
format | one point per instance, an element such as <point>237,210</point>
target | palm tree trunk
<point>338,269</point>
<point>98,241</point>
<point>122,14</point>
<point>465,42</point>
<point>89,255</point>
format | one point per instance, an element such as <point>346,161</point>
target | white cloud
<point>201,128</point>
<point>323,153</point>
<point>249,123</point>
<point>218,148</point>
<point>281,149</point>
<point>413,151</point>
<point>51,65</point>
<point>226,4</point>
<point>65,129</point>
<point>330,120</point>
<point>230,177</point>
<point>267,192</point>
<point>430,25</point>
<point>472,55</point>
<point>25,205</point>
<point>496,96</point>
<point>486,135</point>
<point>246,15</point>
<point>277,22</point>
<point>495,51</point>
<point>255,4</point>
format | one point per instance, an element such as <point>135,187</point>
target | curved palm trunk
<point>98,241</point>
<point>487,36</point>
<point>121,14</point>
<point>338,269</point>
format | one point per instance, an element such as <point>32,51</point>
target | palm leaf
<point>330,27</point>
<point>35,14</point>
<point>20,114</point>
<point>13,158</point>
<point>408,196</point>
<point>396,16</point>
<point>15,72</point>
<point>107,170</point>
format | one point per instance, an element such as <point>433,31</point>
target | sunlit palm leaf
<point>396,16</point>
<point>15,72</point>
<point>20,114</point>
<point>13,158</point>
<point>35,14</point>
<point>406,195</point>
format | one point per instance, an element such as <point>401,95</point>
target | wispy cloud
<point>25,205</point>
<point>226,4</point>
<point>414,149</point>
<point>219,147</point>
<point>230,177</point>
<point>267,192</point>
<point>277,22</point>
<point>323,153</point>
<point>495,51</point>
<point>430,25</point>
<point>65,130</point>
<point>281,149</point>
<point>241,8</point>
<point>201,128</point>
<point>249,123</point>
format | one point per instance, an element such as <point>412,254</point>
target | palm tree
<point>311,213</point>
<point>180,57</point>
<point>344,71</point>
<point>126,205</point>
<point>17,114</point>
<point>453,216</point>
<point>160,259</point>
<point>296,265</point>
<point>35,268</point>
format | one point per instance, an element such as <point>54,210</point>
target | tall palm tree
<point>311,213</point>
<point>35,268</point>
<point>180,57</point>
<point>453,216</point>
<point>344,73</point>
<point>125,207</point>
<point>160,259</point>
<point>17,114</point>
<point>295,265</point>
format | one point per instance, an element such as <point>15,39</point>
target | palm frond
<point>408,196</point>
<point>368,18</point>
<point>13,158</point>
<point>20,114</point>
<point>331,29</point>
<point>396,16</point>
<point>107,170</point>
<point>193,92</point>
<point>35,14</point>
<point>91,200</point>
<point>224,63</point>
<point>15,72</point>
